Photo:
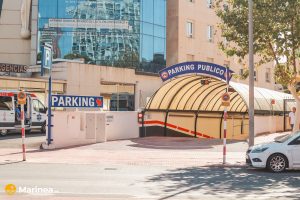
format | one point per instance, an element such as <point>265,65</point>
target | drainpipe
<point>221,125</point>
<point>195,127</point>
<point>166,120</point>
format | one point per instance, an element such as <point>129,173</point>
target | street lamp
<point>251,75</point>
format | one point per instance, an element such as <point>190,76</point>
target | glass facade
<point>1,3</point>
<point>120,33</point>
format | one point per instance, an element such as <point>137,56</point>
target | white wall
<point>81,128</point>
<point>268,124</point>
<point>69,129</point>
<point>122,125</point>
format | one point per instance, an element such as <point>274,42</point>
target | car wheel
<point>277,163</point>
<point>3,132</point>
<point>28,131</point>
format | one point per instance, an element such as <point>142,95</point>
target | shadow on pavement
<point>10,162</point>
<point>19,152</point>
<point>18,135</point>
<point>178,143</point>
<point>237,182</point>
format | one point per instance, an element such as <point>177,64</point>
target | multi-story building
<point>117,39</point>
<point>193,35</point>
<point>119,33</point>
<point>123,38</point>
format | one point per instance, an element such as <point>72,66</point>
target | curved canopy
<point>186,93</point>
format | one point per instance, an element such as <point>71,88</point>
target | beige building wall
<point>181,47</point>
<point>34,31</point>
<point>13,49</point>
<point>84,79</point>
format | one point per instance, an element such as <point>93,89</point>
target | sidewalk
<point>151,151</point>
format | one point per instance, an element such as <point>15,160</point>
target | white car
<point>283,153</point>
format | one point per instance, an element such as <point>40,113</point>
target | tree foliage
<point>73,56</point>
<point>276,33</point>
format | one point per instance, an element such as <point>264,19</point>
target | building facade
<point>117,36</point>
<point>119,33</point>
<point>193,35</point>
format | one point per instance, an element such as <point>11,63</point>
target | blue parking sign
<point>46,58</point>
<point>70,101</point>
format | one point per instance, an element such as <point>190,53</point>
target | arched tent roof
<point>185,93</point>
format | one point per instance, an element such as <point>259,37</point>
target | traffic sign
<point>68,101</point>
<point>21,98</point>
<point>273,101</point>
<point>46,56</point>
<point>46,63</point>
<point>226,99</point>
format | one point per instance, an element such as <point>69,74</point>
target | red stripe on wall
<point>183,129</point>
<point>171,125</point>
<point>177,127</point>
<point>154,122</point>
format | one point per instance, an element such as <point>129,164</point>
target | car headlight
<point>259,150</point>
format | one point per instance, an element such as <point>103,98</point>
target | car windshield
<point>284,138</point>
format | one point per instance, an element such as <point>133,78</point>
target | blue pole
<point>49,109</point>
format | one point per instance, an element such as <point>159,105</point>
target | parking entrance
<point>190,105</point>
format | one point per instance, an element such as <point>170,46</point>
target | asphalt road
<point>70,181</point>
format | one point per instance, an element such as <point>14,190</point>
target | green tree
<point>276,37</point>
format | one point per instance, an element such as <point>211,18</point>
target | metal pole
<point>49,109</point>
<point>284,119</point>
<point>225,120</point>
<point>225,135</point>
<point>23,131</point>
<point>251,75</point>
<point>118,97</point>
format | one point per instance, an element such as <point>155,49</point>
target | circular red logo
<point>226,97</point>
<point>164,75</point>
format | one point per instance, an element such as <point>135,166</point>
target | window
<point>268,75</point>
<point>190,57</point>
<point>1,3</point>
<point>255,75</point>
<point>241,72</point>
<point>226,63</point>
<point>225,41</point>
<point>210,3</point>
<point>295,141</point>
<point>37,105</point>
<point>211,60</point>
<point>210,33</point>
<point>189,29</point>
<point>6,103</point>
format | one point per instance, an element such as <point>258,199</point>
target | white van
<point>35,113</point>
